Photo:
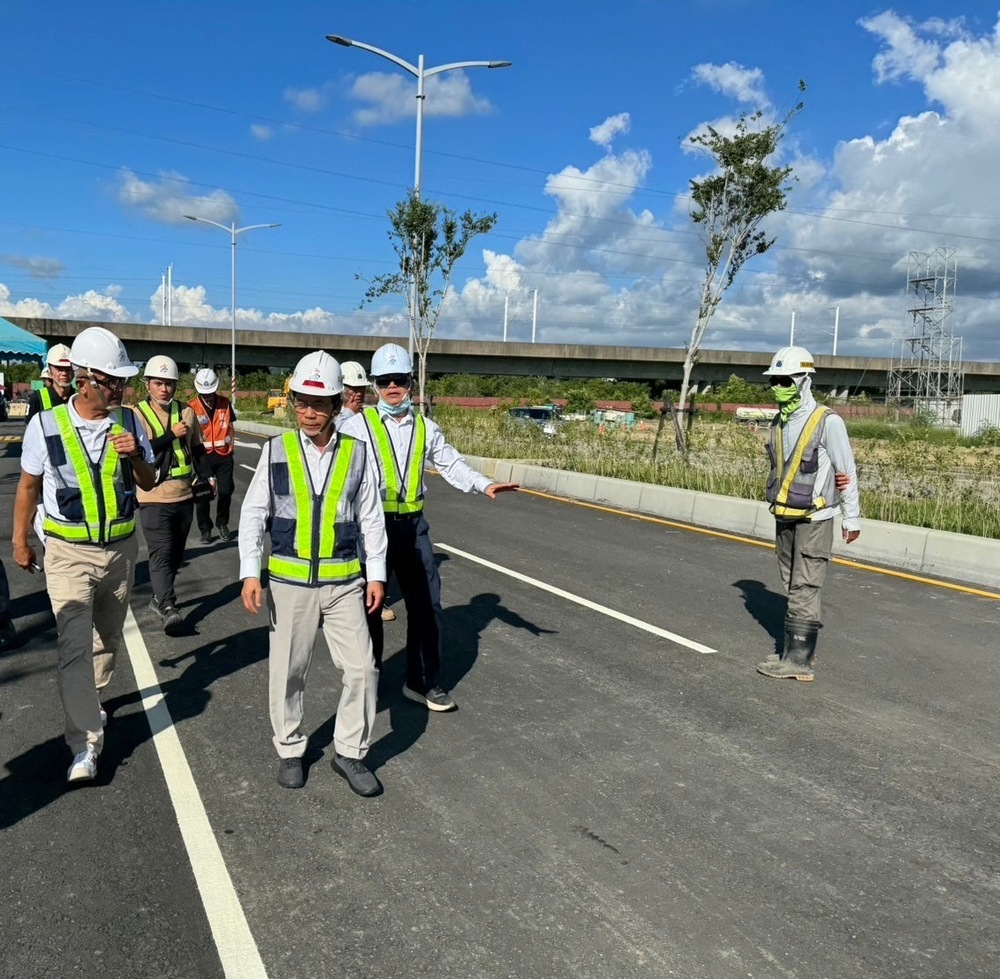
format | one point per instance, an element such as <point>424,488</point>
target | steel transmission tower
<point>929,376</point>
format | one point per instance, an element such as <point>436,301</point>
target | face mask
<point>395,410</point>
<point>788,399</point>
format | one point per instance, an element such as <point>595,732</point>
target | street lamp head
<point>500,64</point>
<point>190,217</point>
<point>342,41</point>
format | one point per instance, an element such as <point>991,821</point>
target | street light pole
<point>420,73</point>
<point>233,233</point>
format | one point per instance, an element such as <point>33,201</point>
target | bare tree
<point>729,208</point>
<point>429,239</point>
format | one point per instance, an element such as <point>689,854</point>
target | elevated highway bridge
<point>198,346</point>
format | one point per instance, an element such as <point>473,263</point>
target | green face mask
<point>784,396</point>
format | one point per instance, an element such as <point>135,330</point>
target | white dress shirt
<point>257,510</point>
<point>438,454</point>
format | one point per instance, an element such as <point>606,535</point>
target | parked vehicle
<point>546,417</point>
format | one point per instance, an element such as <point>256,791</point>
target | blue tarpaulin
<point>18,343</point>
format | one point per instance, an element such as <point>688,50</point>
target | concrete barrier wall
<point>975,560</point>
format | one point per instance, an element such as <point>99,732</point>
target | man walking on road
<point>60,386</point>
<point>87,456</point>
<point>403,444</point>
<point>812,478</point>
<point>316,491</point>
<point>216,417</point>
<point>166,510</point>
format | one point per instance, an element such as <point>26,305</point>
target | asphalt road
<point>607,801</point>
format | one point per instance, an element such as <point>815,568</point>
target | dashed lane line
<point>579,600</point>
<point>235,944</point>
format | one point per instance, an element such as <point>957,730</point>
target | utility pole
<point>534,317</point>
<point>506,300</point>
<point>791,336</point>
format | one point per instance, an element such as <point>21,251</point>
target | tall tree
<point>429,239</point>
<point>729,207</point>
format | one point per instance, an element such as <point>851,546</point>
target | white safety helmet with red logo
<point>161,368</point>
<point>58,356</point>
<point>98,349</point>
<point>206,381</point>
<point>319,374</point>
<point>791,360</point>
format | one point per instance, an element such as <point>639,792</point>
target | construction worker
<point>86,456</point>
<point>403,444</point>
<point>217,419</point>
<point>167,509</point>
<point>812,478</point>
<point>59,382</point>
<point>316,492</point>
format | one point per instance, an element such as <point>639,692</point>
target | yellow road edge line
<point>845,562</point>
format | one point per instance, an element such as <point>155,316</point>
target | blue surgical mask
<point>394,411</point>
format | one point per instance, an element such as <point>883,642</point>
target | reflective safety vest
<point>45,396</point>
<point>791,485</point>
<point>216,425</point>
<point>401,486</point>
<point>182,459</point>
<point>314,530</point>
<point>96,500</point>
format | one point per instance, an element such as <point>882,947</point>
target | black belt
<point>403,516</point>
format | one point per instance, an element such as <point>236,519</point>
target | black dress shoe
<point>290,775</point>
<point>206,538</point>
<point>225,533</point>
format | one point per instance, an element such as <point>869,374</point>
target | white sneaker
<point>84,767</point>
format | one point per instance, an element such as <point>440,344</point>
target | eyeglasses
<point>301,407</point>
<point>106,381</point>
<point>782,382</point>
<point>400,380</point>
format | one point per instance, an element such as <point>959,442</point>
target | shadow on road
<point>767,607</point>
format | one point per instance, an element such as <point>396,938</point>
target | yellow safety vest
<point>182,461</point>
<point>400,495</point>
<point>96,499</point>
<point>791,486</point>
<point>314,530</point>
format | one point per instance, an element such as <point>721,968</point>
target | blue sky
<point>120,117</point>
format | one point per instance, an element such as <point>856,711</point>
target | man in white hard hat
<point>316,492</point>
<point>167,509</point>
<point>403,444</point>
<point>60,386</point>
<point>217,420</point>
<point>812,478</point>
<point>87,456</point>
<point>355,387</point>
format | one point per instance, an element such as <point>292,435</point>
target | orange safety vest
<point>216,426</point>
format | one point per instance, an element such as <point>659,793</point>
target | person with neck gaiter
<point>404,443</point>
<point>812,478</point>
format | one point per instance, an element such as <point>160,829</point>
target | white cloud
<point>37,267</point>
<point>392,97</point>
<point>746,85</point>
<point>91,305</point>
<point>611,127</point>
<point>261,132</point>
<point>171,197</point>
<point>307,100</point>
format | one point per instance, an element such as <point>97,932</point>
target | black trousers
<point>223,468</point>
<point>165,527</point>
<point>410,558</point>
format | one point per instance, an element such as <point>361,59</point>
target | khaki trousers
<point>89,587</point>
<point>803,548</point>
<point>339,609</point>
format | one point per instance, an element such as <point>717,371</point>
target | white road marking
<point>569,596</point>
<point>243,465</point>
<point>236,945</point>
<point>248,445</point>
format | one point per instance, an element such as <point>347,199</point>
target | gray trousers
<point>803,548</point>
<point>339,609</point>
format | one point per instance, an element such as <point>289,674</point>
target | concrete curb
<point>937,553</point>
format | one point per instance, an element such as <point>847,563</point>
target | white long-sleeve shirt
<point>834,451</point>
<point>257,509</point>
<point>438,454</point>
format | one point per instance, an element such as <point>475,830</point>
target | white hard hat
<point>206,381</point>
<point>354,374</point>
<point>58,356</point>
<point>391,359</point>
<point>46,374</point>
<point>98,349</point>
<point>317,373</point>
<point>161,367</point>
<point>791,360</point>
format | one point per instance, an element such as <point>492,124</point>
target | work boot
<point>800,648</point>
<point>358,775</point>
<point>772,659</point>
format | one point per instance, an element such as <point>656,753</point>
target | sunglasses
<point>782,382</point>
<point>400,380</point>
<point>106,381</point>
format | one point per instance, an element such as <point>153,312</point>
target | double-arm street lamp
<point>420,73</point>
<point>233,233</point>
